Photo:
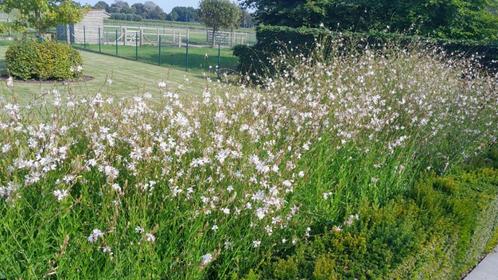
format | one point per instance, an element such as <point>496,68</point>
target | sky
<point>167,5</point>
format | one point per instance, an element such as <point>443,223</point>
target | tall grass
<point>208,186</point>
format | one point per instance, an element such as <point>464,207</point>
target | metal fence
<point>171,47</point>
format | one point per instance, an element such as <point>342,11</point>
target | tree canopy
<point>219,14</point>
<point>185,14</point>
<point>44,14</point>
<point>458,19</point>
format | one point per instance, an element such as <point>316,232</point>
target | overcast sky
<point>167,5</point>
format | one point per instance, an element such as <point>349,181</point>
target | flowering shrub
<point>179,186</point>
<point>43,60</point>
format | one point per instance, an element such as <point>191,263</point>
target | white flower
<point>107,250</point>
<point>214,228</point>
<point>149,237</point>
<point>307,233</point>
<point>61,194</point>
<point>116,187</point>
<point>260,213</point>
<point>139,229</point>
<point>109,82</point>
<point>111,172</point>
<point>287,183</point>
<point>326,195</point>
<point>256,243</point>
<point>95,235</point>
<point>161,84</point>
<point>206,259</point>
<point>10,82</point>
<point>6,148</point>
<point>351,219</point>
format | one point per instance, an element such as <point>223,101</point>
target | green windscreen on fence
<point>170,48</point>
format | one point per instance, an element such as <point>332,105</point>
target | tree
<point>185,14</point>
<point>139,9</point>
<point>153,11</point>
<point>247,19</point>
<point>122,7</point>
<point>456,19</point>
<point>44,14</point>
<point>101,5</point>
<point>218,14</point>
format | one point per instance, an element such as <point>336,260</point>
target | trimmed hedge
<point>272,40</point>
<point>43,61</point>
<point>438,230</point>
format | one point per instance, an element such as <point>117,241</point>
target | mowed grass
<point>199,59</point>
<point>129,79</point>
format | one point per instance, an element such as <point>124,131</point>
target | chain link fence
<point>177,48</point>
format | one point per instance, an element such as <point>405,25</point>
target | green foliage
<point>274,40</point>
<point>43,60</point>
<point>129,17</point>
<point>439,228</point>
<point>44,14</point>
<point>456,19</point>
<point>218,14</point>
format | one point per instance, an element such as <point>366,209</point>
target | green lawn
<point>129,78</point>
<point>199,59</point>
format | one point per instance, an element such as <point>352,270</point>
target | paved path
<point>487,269</point>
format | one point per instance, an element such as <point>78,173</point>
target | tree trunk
<point>214,37</point>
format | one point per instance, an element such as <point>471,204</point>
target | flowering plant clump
<point>190,186</point>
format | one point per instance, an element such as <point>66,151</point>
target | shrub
<point>440,228</point>
<point>43,60</point>
<point>273,40</point>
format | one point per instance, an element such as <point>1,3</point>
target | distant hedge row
<point>274,39</point>
<point>129,17</point>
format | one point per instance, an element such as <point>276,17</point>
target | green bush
<point>437,230</point>
<point>273,40</point>
<point>43,61</point>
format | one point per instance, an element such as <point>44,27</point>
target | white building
<point>86,31</point>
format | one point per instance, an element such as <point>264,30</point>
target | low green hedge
<point>272,40</point>
<point>438,230</point>
<point>43,61</point>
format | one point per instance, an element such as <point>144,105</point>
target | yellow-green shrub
<point>43,60</point>
<point>438,230</point>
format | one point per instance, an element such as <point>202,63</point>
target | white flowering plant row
<point>189,187</point>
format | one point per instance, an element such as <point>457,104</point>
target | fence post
<point>141,36</point>
<point>159,50</point>
<point>84,36</point>
<point>219,56</point>
<point>136,45</point>
<point>68,34</point>
<point>125,31</point>
<point>186,56</point>
<point>100,41</point>
<point>117,43</point>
